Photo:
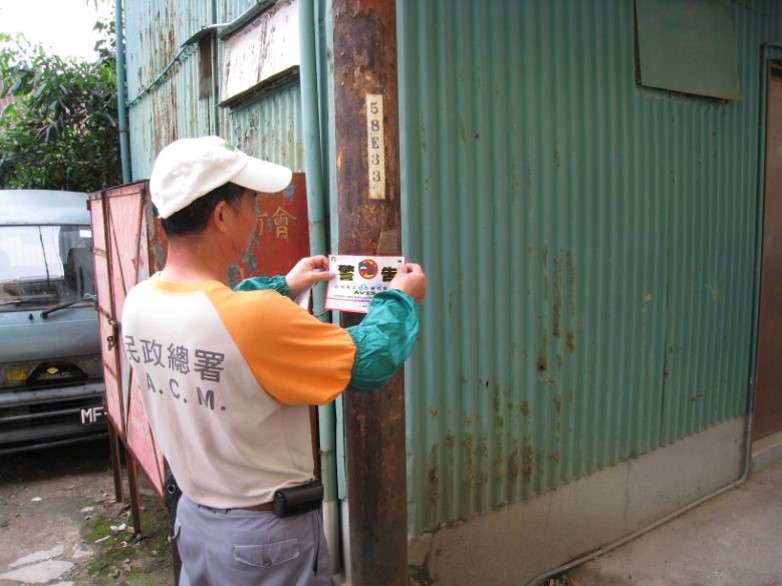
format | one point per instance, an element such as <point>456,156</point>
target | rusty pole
<point>367,142</point>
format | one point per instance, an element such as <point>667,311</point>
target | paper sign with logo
<point>358,279</point>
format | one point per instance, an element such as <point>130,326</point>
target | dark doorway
<point>767,417</point>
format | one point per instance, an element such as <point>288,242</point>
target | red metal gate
<point>122,239</point>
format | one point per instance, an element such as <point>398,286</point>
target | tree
<point>60,130</point>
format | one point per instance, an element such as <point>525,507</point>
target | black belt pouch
<point>171,497</point>
<point>298,499</point>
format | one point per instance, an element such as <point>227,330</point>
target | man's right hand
<point>306,273</point>
<point>410,279</point>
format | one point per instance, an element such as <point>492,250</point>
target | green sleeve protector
<point>277,283</point>
<point>384,339</point>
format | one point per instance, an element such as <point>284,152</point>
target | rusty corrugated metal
<point>163,107</point>
<point>271,127</point>
<point>590,246</point>
<point>166,95</point>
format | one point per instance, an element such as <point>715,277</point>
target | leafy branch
<point>60,130</point>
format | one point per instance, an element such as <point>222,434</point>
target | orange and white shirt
<point>226,378</point>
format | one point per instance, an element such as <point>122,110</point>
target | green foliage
<point>60,131</point>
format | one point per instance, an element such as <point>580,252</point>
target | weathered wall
<point>590,245</point>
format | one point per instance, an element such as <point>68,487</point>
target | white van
<point>51,383</point>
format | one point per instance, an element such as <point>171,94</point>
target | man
<point>226,376</point>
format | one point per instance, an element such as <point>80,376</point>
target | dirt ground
<point>58,506</point>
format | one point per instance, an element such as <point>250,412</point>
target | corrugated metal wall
<point>590,246</point>
<point>271,127</point>
<point>163,107</point>
<point>164,80</point>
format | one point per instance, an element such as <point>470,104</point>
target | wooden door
<point>767,414</point>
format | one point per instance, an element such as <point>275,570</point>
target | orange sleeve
<point>294,357</point>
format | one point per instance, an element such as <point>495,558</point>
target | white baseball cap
<point>190,168</point>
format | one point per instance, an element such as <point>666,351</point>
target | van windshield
<point>44,266</point>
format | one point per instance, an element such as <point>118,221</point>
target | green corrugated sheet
<point>590,246</point>
<point>270,127</point>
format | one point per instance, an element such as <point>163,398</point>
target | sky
<point>63,26</point>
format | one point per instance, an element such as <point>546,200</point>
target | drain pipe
<point>122,100</point>
<point>316,214</point>
<point>541,578</point>
<point>214,124</point>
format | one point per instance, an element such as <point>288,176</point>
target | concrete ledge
<point>516,543</point>
<point>766,450</point>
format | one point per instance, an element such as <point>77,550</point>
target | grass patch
<point>124,557</point>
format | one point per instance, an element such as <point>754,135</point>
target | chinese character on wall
<point>281,219</point>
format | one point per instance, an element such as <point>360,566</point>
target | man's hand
<point>306,273</point>
<point>410,279</point>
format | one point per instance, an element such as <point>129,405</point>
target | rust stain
<point>434,476</point>
<point>570,342</point>
<point>528,456</point>
<point>500,465</point>
<point>514,464</point>
<point>558,274</point>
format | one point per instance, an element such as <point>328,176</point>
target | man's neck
<point>193,260</point>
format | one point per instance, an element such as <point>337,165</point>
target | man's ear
<point>219,216</point>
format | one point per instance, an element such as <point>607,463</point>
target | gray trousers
<point>237,547</point>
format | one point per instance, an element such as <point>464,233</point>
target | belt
<point>261,507</point>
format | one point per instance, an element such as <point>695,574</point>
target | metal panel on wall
<point>590,247</point>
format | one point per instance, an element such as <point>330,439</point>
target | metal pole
<point>122,99</point>
<point>367,143</point>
